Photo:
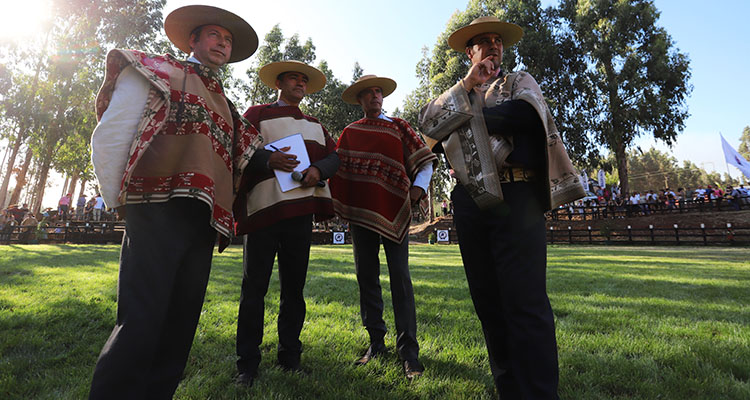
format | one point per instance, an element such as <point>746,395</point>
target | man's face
<point>293,86</point>
<point>484,45</point>
<point>371,100</point>
<point>213,47</point>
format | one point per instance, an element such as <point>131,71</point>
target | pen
<point>274,147</point>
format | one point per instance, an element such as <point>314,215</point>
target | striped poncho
<point>379,160</point>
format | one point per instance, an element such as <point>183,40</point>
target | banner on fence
<point>600,178</point>
<point>585,180</point>
<point>443,235</point>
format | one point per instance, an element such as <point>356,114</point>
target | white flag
<point>734,158</point>
<point>585,180</point>
<point>600,178</point>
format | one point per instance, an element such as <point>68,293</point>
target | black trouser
<point>504,255</point>
<point>164,268</point>
<point>290,238</point>
<point>366,245</point>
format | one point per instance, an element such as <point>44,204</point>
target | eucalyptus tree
<point>744,148</point>
<point>68,69</point>
<point>635,77</point>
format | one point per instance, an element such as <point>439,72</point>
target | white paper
<point>297,144</point>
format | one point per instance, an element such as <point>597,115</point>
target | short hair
<point>197,32</point>
<point>280,76</point>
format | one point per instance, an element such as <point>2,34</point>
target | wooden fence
<point>111,232</point>
<point>676,235</point>
<point>593,212</point>
<point>70,232</point>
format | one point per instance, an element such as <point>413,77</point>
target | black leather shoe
<point>413,369</point>
<point>245,379</point>
<point>372,352</point>
<point>290,367</point>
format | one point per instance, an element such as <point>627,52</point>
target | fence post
<point>589,234</point>
<point>730,234</point>
<point>570,234</point>
<point>552,234</point>
<point>630,234</point>
<point>703,232</point>
<point>651,228</point>
<point>676,233</point>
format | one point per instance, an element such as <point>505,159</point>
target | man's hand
<point>311,176</point>
<point>415,194</point>
<point>283,161</point>
<point>480,72</point>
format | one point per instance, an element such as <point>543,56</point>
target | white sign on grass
<point>338,237</point>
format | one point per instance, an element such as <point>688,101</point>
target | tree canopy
<point>637,78</point>
<point>744,148</point>
<point>55,78</point>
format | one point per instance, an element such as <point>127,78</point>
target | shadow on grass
<point>645,326</point>
<point>53,348</point>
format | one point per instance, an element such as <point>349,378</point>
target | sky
<point>387,37</point>
<point>388,42</point>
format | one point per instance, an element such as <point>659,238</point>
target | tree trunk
<point>72,188</point>
<point>9,171</point>
<point>21,178</point>
<point>40,186</point>
<point>622,168</point>
<point>83,188</point>
<point>65,186</point>
<point>5,156</point>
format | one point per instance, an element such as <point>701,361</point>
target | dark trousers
<point>290,239</point>
<point>366,244</point>
<point>505,255</point>
<point>165,263</point>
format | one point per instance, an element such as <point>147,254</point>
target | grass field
<point>632,323</point>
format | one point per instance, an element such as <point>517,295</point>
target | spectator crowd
<point>85,210</point>
<point>611,202</point>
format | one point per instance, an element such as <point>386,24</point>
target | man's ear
<point>469,52</point>
<point>193,40</point>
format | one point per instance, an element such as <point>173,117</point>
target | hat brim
<point>386,85</point>
<point>181,22</point>
<point>316,80</point>
<point>510,33</point>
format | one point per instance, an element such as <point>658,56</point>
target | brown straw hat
<point>181,22</point>
<point>387,85</point>
<point>511,33</point>
<point>316,80</point>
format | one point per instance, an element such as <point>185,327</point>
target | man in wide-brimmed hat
<point>499,137</point>
<point>277,222</point>
<point>385,171</point>
<point>166,152</point>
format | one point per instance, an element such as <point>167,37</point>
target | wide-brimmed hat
<point>181,22</point>
<point>386,85</point>
<point>511,33</point>
<point>316,80</point>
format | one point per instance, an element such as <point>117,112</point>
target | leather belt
<point>517,174</point>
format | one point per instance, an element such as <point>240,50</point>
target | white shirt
<point>114,136</point>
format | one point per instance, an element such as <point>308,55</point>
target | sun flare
<point>20,20</point>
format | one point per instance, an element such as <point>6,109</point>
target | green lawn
<point>632,323</point>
